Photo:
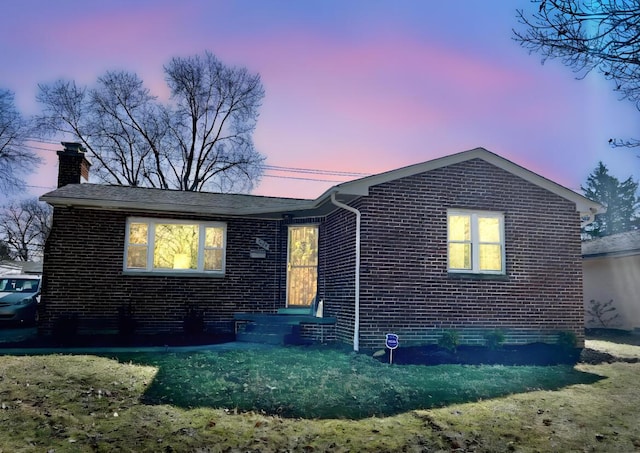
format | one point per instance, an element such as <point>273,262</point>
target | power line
<point>40,187</point>
<point>39,140</point>
<point>301,179</point>
<point>276,168</point>
<point>38,148</point>
<point>313,171</point>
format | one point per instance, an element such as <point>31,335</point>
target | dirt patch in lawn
<point>529,354</point>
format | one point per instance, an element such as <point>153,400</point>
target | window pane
<point>459,228</point>
<point>490,257</point>
<point>136,257</point>
<point>213,260</point>
<point>303,243</point>
<point>459,256</point>
<point>489,229</point>
<point>176,246</point>
<point>138,233</point>
<point>214,237</point>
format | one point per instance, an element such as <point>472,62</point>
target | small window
<point>157,245</point>
<point>476,242</point>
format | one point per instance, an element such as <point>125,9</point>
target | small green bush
<point>193,321</point>
<point>567,340</point>
<point>65,328</point>
<point>126,321</point>
<point>449,340</point>
<point>494,338</point>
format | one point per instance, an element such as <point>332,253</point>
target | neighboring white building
<point>20,267</point>
<point>611,271</point>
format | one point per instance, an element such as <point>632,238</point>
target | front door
<point>302,265</point>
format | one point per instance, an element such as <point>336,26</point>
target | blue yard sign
<point>391,342</point>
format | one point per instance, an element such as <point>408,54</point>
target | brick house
<point>471,242</point>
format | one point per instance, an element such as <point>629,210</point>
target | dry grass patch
<point>616,349</point>
<point>88,403</point>
<point>597,417</point>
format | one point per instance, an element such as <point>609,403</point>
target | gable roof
<point>621,244</point>
<point>174,201</point>
<point>360,187</point>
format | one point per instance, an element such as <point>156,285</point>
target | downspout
<point>356,322</point>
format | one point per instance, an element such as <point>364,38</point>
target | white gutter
<point>356,323</point>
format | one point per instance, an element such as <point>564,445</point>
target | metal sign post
<point>391,342</point>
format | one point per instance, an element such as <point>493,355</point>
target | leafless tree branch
<point>199,140</point>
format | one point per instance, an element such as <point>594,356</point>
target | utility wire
<point>313,171</point>
<point>38,148</point>
<point>39,140</point>
<point>301,179</point>
<point>276,168</point>
<point>40,187</point>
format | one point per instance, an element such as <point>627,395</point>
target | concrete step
<point>282,318</point>
<point>262,337</point>
<point>265,331</point>
<point>295,311</point>
<point>267,327</point>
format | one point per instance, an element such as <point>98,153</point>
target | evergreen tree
<point>620,199</point>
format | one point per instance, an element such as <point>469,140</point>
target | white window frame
<point>151,223</point>
<point>475,241</point>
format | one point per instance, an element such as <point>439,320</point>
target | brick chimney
<point>72,164</point>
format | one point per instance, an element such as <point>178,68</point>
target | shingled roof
<point>137,199</point>
<point>627,243</point>
<point>146,199</point>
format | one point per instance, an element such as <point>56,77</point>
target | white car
<point>19,297</point>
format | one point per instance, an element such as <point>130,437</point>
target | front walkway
<point>15,335</point>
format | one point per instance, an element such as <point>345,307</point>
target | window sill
<point>173,274</point>
<point>474,276</point>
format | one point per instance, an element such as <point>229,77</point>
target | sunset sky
<point>357,86</point>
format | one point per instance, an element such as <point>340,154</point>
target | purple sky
<point>359,86</point>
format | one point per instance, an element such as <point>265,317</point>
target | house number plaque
<point>262,243</point>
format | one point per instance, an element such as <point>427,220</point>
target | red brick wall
<point>83,274</point>
<point>338,285</point>
<point>405,286</point>
<point>72,167</point>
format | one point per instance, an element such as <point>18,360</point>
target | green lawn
<point>328,383</point>
<point>311,399</point>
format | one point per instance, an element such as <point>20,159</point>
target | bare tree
<point>24,228</point>
<point>599,35</point>
<point>201,139</point>
<point>15,160</point>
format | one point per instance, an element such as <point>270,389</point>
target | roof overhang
<point>360,187</point>
<point>276,208</point>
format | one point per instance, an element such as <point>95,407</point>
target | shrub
<point>65,328</point>
<point>126,323</point>
<point>193,322</point>
<point>494,338</point>
<point>449,340</point>
<point>567,340</point>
